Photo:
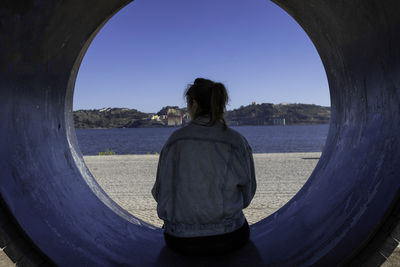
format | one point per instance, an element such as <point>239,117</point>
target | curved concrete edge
<point>39,75</point>
<point>356,42</point>
<point>382,242</point>
<point>344,205</point>
<point>16,244</point>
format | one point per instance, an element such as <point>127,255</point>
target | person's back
<point>205,178</point>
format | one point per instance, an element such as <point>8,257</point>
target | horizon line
<point>256,103</point>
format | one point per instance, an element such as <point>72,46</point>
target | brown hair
<point>211,98</point>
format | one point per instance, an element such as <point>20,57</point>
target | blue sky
<point>145,56</point>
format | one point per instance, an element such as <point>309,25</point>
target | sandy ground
<point>128,180</point>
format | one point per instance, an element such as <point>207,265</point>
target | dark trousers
<point>209,245</point>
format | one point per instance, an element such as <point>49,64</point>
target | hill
<point>254,114</point>
<point>264,114</point>
<point>107,117</point>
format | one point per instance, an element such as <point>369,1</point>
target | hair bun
<point>211,98</point>
<point>219,86</point>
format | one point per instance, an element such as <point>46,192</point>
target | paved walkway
<point>128,179</point>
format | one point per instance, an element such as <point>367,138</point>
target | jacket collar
<point>202,120</point>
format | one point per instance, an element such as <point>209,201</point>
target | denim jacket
<point>205,177</point>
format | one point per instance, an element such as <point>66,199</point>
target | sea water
<point>262,139</point>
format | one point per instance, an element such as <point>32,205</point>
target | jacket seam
<point>225,176</point>
<point>199,139</point>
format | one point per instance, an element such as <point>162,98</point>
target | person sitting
<point>205,178</point>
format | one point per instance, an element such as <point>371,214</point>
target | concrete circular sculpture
<point>53,211</point>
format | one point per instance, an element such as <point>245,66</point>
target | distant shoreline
<point>177,127</point>
<point>253,114</point>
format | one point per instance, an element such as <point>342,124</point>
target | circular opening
<point>341,205</point>
<point>147,68</point>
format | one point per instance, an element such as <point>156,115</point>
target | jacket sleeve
<point>156,186</point>
<point>249,186</point>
